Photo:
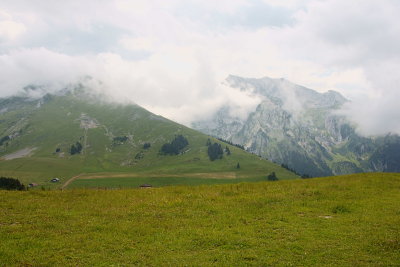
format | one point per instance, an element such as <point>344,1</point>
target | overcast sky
<point>171,56</point>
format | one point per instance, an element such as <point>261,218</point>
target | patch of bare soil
<point>26,152</point>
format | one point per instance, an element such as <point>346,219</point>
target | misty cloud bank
<point>172,57</point>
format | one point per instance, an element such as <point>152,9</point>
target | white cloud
<point>288,3</point>
<point>9,29</point>
<point>171,56</point>
<point>140,43</point>
<point>360,38</point>
<point>23,67</point>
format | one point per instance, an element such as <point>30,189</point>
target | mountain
<point>75,133</point>
<point>301,129</point>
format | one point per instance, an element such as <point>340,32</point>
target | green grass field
<point>154,181</point>
<point>349,220</point>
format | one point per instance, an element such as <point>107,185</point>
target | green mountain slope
<point>38,136</point>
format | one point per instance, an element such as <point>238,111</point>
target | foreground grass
<point>340,221</point>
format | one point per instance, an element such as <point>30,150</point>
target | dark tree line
<point>11,184</point>
<point>304,175</point>
<point>175,147</point>
<point>230,143</point>
<point>76,149</point>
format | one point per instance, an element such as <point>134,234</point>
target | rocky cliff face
<point>300,128</point>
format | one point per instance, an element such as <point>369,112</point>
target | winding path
<point>71,180</point>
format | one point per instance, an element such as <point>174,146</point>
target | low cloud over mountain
<point>171,56</point>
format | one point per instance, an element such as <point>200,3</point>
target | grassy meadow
<point>351,220</point>
<point>134,182</point>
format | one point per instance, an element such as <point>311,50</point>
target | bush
<point>139,155</point>
<point>146,145</point>
<point>340,209</point>
<point>272,177</point>
<point>11,184</point>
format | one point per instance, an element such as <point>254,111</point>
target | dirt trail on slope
<point>71,180</point>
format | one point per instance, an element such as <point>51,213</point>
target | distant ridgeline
<point>311,140</point>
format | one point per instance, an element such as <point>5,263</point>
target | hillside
<point>338,221</point>
<point>300,127</point>
<point>74,133</point>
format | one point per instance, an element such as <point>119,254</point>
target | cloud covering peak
<point>173,56</point>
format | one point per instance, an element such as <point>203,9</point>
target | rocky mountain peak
<point>287,91</point>
<point>298,127</point>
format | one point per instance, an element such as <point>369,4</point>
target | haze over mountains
<point>75,131</point>
<point>302,129</point>
<point>289,124</point>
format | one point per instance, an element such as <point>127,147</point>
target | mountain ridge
<point>63,135</point>
<point>300,128</point>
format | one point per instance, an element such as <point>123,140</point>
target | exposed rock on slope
<point>299,127</point>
